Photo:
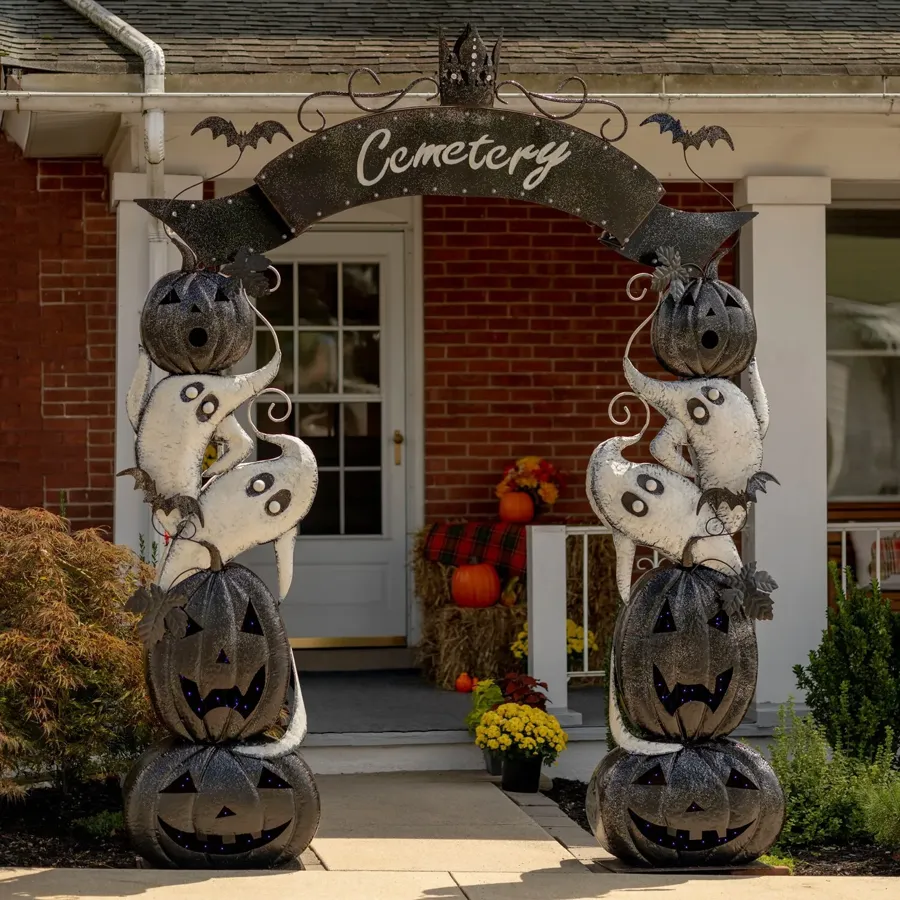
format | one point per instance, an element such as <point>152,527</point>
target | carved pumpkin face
<point>227,678</point>
<point>685,668</point>
<point>195,322</point>
<point>709,804</point>
<point>709,330</point>
<point>192,806</point>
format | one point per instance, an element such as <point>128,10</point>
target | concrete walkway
<point>430,836</point>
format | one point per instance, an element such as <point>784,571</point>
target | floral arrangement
<point>540,479</point>
<point>485,695</point>
<point>574,641</point>
<point>518,731</point>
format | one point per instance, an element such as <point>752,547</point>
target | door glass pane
<point>265,350</point>
<point>362,434</point>
<point>317,294</point>
<point>362,502</point>
<point>265,450</point>
<point>361,362</point>
<point>325,515</point>
<point>361,294</point>
<point>278,307</point>
<point>318,425</point>
<point>317,362</point>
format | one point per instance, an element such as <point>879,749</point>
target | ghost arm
<point>139,390</point>
<point>237,446</point>
<point>758,399</point>
<point>666,448</point>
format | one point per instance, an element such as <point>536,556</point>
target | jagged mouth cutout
<point>672,699</point>
<point>243,703</point>
<point>681,839</point>
<point>221,844</point>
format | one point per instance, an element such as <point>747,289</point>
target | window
<point>328,316</point>
<point>863,366</point>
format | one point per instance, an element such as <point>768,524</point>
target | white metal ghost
<point>724,429</point>
<point>647,504</point>
<point>176,420</point>
<point>254,503</point>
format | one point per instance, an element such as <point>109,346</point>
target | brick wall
<point>57,363</point>
<point>526,320</point>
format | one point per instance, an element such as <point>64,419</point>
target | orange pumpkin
<point>475,585</point>
<point>464,683</point>
<point>516,506</point>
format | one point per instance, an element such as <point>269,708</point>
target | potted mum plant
<point>575,639</point>
<point>529,486</point>
<point>486,695</point>
<point>526,738</point>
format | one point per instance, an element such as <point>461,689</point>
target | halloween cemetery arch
<point>676,790</point>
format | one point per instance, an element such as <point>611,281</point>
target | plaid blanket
<point>500,543</point>
<point>890,557</point>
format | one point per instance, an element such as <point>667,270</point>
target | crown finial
<point>467,72</point>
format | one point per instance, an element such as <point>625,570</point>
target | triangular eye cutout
<point>730,301</point>
<point>192,627</point>
<point>719,621</point>
<point>171,297</point>
<point>268,779</point>
<point>687,300</point>
<point>251,621</point>
<point>737,780</point>
<point>710,312</point>
<point>665,621</point>
<point>653,776</point>
<point>222,296</point>
<point>183,784</point>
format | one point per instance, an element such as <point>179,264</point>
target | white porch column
<point>131,516</point>
<point>546,583</point>
<point>782,271</point>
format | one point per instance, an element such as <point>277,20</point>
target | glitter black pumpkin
<point>227,678</point>
<point>685,669</point>
<point>195,322</point>
<point>207,807</point>
<point>717,803</point>
<point>709,329</point>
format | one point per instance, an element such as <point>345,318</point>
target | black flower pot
<point>493,762</point>
<point>522,775</point>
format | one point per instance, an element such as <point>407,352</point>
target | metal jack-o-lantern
<point>709,804</point>
<point>196,322</point>
<point>704,327</point>
<point>227,677</point>
<point>209,807</point>
<point>686,669</point>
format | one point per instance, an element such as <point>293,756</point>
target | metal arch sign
<point>446,150</point>
<point>455,152</point>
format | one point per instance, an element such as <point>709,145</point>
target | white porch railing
<point>547,592</point>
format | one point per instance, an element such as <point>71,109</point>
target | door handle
<point>398,442</point>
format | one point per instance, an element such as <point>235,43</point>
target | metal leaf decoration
<point>160,611</point>
<point>751,589</point>
<point>249,268</point>
<point>670,273</point>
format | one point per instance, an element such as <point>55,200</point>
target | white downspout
<point>154,117</point>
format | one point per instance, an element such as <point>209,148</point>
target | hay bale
<point>476,641</point>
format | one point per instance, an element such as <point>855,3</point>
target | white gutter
<point>274,103</point>
<point>150,105</point>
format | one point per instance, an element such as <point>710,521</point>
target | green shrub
<point>100,825</point>
<point>485,695</point>
<point>820,787</point>
<point>773,859</point>
<point>72,695</point>
<point>881,810</point>
<point>852,682</point>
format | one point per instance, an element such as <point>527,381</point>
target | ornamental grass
<point>521,732</point>
<point>72,696</point>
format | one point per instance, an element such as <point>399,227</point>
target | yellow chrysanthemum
<point>548,493</point>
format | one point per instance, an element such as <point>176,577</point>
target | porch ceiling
<point>751,37</point>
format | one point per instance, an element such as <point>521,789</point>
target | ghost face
<point>708,804</point>
<point>205,807</point>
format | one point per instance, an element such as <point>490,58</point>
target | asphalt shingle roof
<point>796,37</point>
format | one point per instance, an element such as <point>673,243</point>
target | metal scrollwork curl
<point>356,97</point>
<point>579,102</point>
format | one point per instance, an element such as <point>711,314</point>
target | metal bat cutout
<point>708,133</point>
<point>242,139</point>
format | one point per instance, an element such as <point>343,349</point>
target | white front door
<point>339,314</point>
